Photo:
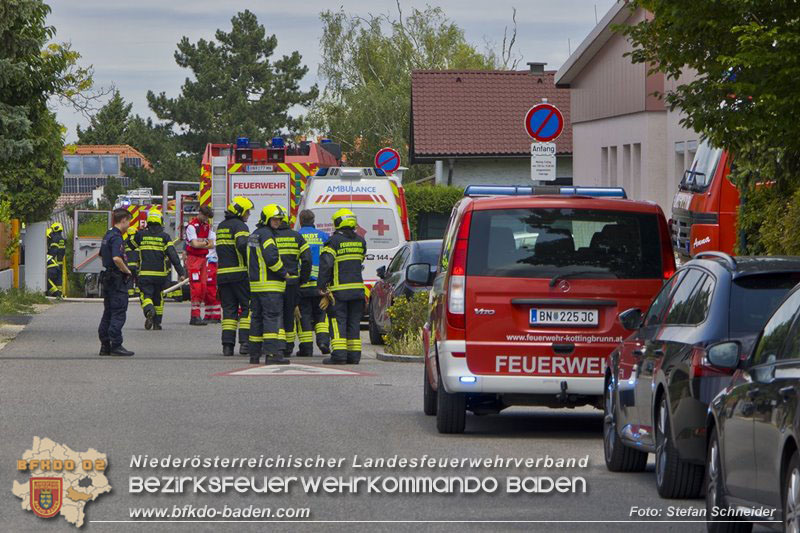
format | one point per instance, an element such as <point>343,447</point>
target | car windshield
<point>578,243</point>
<point>429,252</point>
<point>704,165</point>
<point>376,225</point>
<point>754,298</point>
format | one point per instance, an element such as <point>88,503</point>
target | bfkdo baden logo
<point>62,481</point>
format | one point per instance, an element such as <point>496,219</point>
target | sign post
<point>544,123</point>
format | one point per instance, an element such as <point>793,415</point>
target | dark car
<point>753,467</point>
<point>409,271</point>
<point>659,382</point>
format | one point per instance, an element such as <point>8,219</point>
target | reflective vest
<point>232,234</point>
<point>264,266</point>
<point>340,265</point>
<point>203,229</point>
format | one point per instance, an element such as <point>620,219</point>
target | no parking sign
<point>387,159</point>
<point>544,122</point>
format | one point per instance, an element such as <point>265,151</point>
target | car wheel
<point>674,478</point>
<point>375,337</point>
<point>619,458</point>
<point>451,410</point>
<point>715,493</point>
<point>429,395</point>
<point>791,495</point>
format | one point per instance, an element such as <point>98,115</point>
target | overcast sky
<point>131,44</point>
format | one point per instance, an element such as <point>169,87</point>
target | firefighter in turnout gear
<point>340,265</point>
<point>133,261</point>
<point>312,318</point>
<point>232,281</point>
<point>296,257</point>
<point>267,277</point>
<point>56,249</point>
<point>155,248</point>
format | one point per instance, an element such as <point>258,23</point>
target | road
<point>177,396</point>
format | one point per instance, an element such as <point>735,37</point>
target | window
<point>398,260</point>
<point>703,167</point>
<point>776,330</point>
<point>584,243</point>
<point>612,166</point>
<point>754,298</point>
<point>702,301</point>
<point>427,253</point>
<point>681,304</point>
<point>110,164</point>
<point>449,239</point>
<point>133,162</point>
<point>660,302</point>
<point>604,165</point>
<point>91,164</point>
<point>73,164</point>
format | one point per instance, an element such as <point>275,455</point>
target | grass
<point>20,301</point>
<point>408,344</point>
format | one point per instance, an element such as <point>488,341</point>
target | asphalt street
<point>178,396</point>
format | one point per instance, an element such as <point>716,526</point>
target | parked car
<point>659,382</point>
<point>753,466</point>
<point>524,305</point>
<point>408,272</point>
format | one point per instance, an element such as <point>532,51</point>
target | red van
<point>524,305</point>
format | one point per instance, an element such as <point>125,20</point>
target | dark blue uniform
<point>115,289</point>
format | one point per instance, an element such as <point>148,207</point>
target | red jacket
<point>202,229</point>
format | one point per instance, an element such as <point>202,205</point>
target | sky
<point>131,44</point>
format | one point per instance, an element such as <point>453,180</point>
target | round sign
<point>544,122</point>
<point>387,159</point>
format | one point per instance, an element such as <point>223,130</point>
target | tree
<point>746,57</point>
<point>109,125</point>
<point>111,190</point>
<point>236,89</point>
<point>366,65</point>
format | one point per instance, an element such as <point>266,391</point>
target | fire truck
<point>264,173</point>
<point>704,208</point>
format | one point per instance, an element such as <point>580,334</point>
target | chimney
<point>537,68</point>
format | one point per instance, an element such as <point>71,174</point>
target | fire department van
<point>524,308</point>
<point>376,198</point>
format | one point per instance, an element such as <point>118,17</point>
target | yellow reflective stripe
<point>304,247</point>
<point>346,286</point>
<point>231,270</point>
<point>151,248</point>
<point>349,257</point>
<point>152,273</point>
<point>267,243</point>
<point>225,242</point>
<point>267,286</point>
<point>277,266</point>
<point>241,234</point>
<point>311,283</point>
<point>328,249</point>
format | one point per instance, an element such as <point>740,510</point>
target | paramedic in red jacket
<point>198,242</point>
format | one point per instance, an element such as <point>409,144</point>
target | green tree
<point>109,125</point>
<point>746,57</point>
<point>111,190</point>
<point>366,66</point>
<point>236,90</point>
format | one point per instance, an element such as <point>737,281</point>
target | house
<point>470,124</point>
<point>622,133</point>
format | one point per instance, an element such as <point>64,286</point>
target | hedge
<point>430,199</point>
<point>768,218</point>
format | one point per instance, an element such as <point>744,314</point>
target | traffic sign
<point>544,122</point>
<point>543,161</point>
<point>387,159</point>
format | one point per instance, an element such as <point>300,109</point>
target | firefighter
<point>132,255</point>
<point>113,281</point>
<point>267,277</point>
<point>296,257</point>
<point>155,248</point>
<point>197,245</point>
<point>213,310</point>
<point>234,286</point>
<point>312,318</point>
<point>340,265</point>
<point>56,249</point>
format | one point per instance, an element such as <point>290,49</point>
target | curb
<point>392,358</point>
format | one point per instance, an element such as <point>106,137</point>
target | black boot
<point>244,348</point>
<point>255,353</point>
<point>227,350</point>
<point>197,321</point>
<point>324,348</point>
<point>120,351</point>
<point>157,327</point>
<point>276,360</point>
<point>332,361</point>
<point>105,348</point>
<point>149,318</point>
<point>353,358</point>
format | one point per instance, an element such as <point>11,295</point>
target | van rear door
<point>545,285</point>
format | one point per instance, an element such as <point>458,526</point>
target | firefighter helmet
<point>56,226</point>
<point>239,206</point>
<point>344,218</point>
<point>154,217</point>
<point>271,211</point>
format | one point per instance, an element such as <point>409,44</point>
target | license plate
<point>564,317</point>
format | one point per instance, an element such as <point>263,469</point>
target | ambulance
<point>375,197</point>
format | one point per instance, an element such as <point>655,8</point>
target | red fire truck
<point>273,173</point>
<point>704,208</point>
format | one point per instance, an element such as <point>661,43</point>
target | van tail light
<point>667,254</point>
<point>701,368</point>
<point>457,280</point>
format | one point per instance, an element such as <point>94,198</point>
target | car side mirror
<point>724,354</point>
<point>418,274</point>
<point>631,318</point>
<point>381,272</point>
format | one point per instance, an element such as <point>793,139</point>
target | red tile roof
<point>479,113</point>
<point>124,150</point>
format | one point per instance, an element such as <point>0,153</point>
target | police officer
<point>232,281</point>
<point>56,250</point>
<point>155,248</point>
<point>133,260</point>
<point>114,283</point>
<point>296,257</point>
<point>340,265</point>
<point>267,277</point>
<point>312,318</point>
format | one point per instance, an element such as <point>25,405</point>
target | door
<point>90,226</point>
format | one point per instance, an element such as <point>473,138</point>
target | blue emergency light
<point>518,190</point>
<point>242,142</point>
<point>322,172</point>
<point>277,142</point>
<point>379,171</point>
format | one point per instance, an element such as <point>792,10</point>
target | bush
<point>407,318</point>
<point>429,199</point>
<point>768,219</point>
<point>20,301</point>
